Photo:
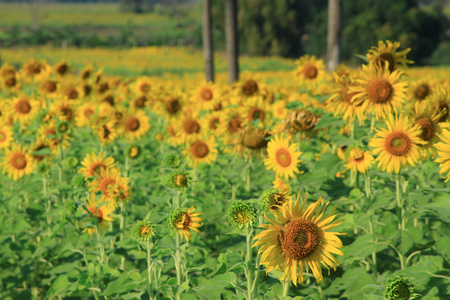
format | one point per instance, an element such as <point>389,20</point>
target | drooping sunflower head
<point>296,238</point>
<point>178,180</point>
<point>184,220</point>
<point>386,55</point>
<point>144,230</point>
<point>273,199</point>
<point>300,120</point>
<point>400,288</point>
<point>242,214</point>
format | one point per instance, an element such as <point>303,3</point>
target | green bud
<point>43,168</point>
<point>78,180</point>
<point>71,162</point>
<point>178,180</point>
<point>399,288</point>
<point>134,151</point>
<point>62,127</point>
<point>242,214</point>
<point>273,199</point>
<point>70,207</point>
<point>172,160</point>
<point>143,230</point>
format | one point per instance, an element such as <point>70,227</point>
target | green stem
<point>149,271</point>
<point>87,266</point>
<point>352,129</point>
<point>374,253</point>
<point>285,284</point>
<point>178,259</point>
<point>100,245</point>
<point>367,186</point>
<point>176,200</point>
<point>121,226</point>
<point>48,207</point>
<point>248,180</point>
<point>248,263</point>
<point>400,214</point>
<point>372,123</point>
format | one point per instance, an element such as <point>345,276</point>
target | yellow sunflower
<point>201,150</point>
<point>84,112</point>
<point>40,144</point>
<point>282,157</point>
<point>63,109</point>
<point>134,125</point>
<point>297,239</point>
<point>62,68</point>
<point>6,136</point>
<point>48,130</point>
<point>106,132</point>
<point>211,121</point>
<point>86,73</point>
<point>379,90</point>
<point>280,184</point>
<point>49,87</point>
<point>398,146</point>
<point>441,103</point>
<point>421,92</point>
<point>101,212</point>
<point>109,177</point>
<point>170,105</point>
<point>11,84</point>
<point>184,221</point>
<point>93,164</point>
<point>255,110</point>
<point>188,126</point>
<point>17,161</point>
<point>443,151</point>
<point>358,160</point>
<point>23,108</point>
<point>310,71</point>
<point>205,96</point>
<point>142,86</point>
<point>386,54</point>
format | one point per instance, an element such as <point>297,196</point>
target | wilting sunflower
<point>340,102</point>
<point>201,150</point>
<point>310,71</point>
<point>379,90</point>
<point>398,146</point>
<point>183,221</point>
<point>101,212</point>
<point>252,141</point>
<point>297,238</point>
<point>358,160</point>
<point>282,156</point>
<point>135,125</point>
<point>385,54</point>
<point>17,161</point>
<point>23,108</point>
<point>93,164</point>
<point>6,135</point>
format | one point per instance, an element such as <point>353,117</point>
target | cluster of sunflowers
<point>248,119</point>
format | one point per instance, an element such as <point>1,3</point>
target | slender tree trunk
<point>208,49</point>
<point>334,34</point>
<point>231,40</point>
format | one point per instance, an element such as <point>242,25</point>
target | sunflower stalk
<point>121,226</point>
<point>101,247</point>
<point>249,265</point>
<point>374,253</point>
<point>178,261</point>
<point>87,266</point>
<point>285,284</point>
<point>48,206</point>
<point>400,214</point>
<point>149,270</point>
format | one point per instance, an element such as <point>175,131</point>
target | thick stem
<point>400,214</point>
<point>87,266</point>
<point>285,284</point>
<point>100,245</point>
<point>374,253</point>
<point>176,200</point>
<point>122,225</point>
<point>149,271</point>
<point>249,264</point>
<point>178,259</point>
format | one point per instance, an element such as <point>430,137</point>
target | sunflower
<point>282,156</point>
<point>6,135</point>
<point>281,185</point>
<point>205,96</point>
<point>23,108</point>
<point>443,151</point>
<point>188,126</point>
<point>86,73</point>
<point>170,106</point>
<point>441,103</point>
<point>106,132</point>
<point>279,110</point>
<point>358,160</point>
<point>17,161</point>
<point>41,144</point>
<point>11,84</point>
<point>297,238</point>
<point>93,164</point>
<point>341,103</point>
<point>119,192</point>
<point>49,130</point>
<point>211,121</point>
<point>310,71</point>
<point>248,88</point>
<point>84,114</point>
<point>63,109</point>
<point>183,221</point>
<point>139,102</point>
<point>101,212</point>
<point>273,199</point>
<point>49,87</point>
<point>35,70</point>
<point>134,125</point>
<point>255,111</point>
<point>421,92</point>
<point>379,90</point>
<point>7,70</point>
<point>399,145</point>
<point>201,150</point>
<point>62,68</point>
<point>142,86</point>
<point>385,54</point>
<point>109,177</point>
<point>230,125</point>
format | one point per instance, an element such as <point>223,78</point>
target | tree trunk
<point>334,34</point>
<point>231,40</point>
<point>207,41</point>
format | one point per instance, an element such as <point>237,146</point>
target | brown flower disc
<point>191,126</point>
<point>214,122</point>
<point>379,90</point>
<point>384,58</point>
<point>422,91</point>
<point>256,113</point>
<point>23,106</point>
<point>283,158</point>
<point>254,138</point>
<point>298,238</point>
<point>173,106</point>
<point>132,124</point>
<point>18,161</point>
<point>199,149</point>
<point>443,107</point>
<point>249,87</point>
<point>234,124</point>
<point>206,94</point>
<point>10,82</point>
<point>398,144</point>
<point>50,86</point>
<point>427,129</point>
<point>144,88</point>
<point>310,71</point>
<point>62,69</point>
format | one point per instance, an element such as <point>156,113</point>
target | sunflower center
<point>386,57</point>
<point>62,69</point>
<point>96,168</point>
<point>72,94</point>
<point>256,113</point>
<point>87,89</point>
<point>401,291</point>
<point>86,74</point>
<point>132,124</point>
<point>298,238</point>
<point>11,82</point>
<point>398,144</point>
<point>180,180</point>
<point>283,157</point>
<point>98,212</point>
<point>206,94</point>
<point>191,126</point>
<point>443,107</point>
<point>213,123</point>
<point>140,102</point>
<point>357,154</point>
<point>310,71</point>
<point>18,161</point>
<point>235,124</point>
<point>50,86</point>
<point>88,112</point>
<point>66,112</point>
<point>241,218</point>
<point>105,184</point>
<point>2,137</point>
<point>186,221</point>
<point>249,87</point>
<point>379,90</point>
<point>173,105</point>
<point>427,129</point>
<point>105,131</point>
<point>145,87</point>
<point>422,91</point>
<point>199,149</point>
<point>217,107</point>
<point>23,106</point>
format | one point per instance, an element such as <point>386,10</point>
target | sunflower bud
<point>242,214</point>
<point>78,180</point>
<point>179,180</point>
<point>62,127</point>
<point>273,199</point>
<point>172,160</point>
<point>71,162</point>
<point>70,207</point>
<point>43,168</point>
<point>399,288</point>
<point>134,151</point>
<point>144,230</point>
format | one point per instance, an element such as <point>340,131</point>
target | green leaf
<point>442,246</point>
<point>294,104</point>
<point>61,287</point>
<point>219,282</point>
<point>406,242</point>
<point>363,57</point>
<point>327,121</point>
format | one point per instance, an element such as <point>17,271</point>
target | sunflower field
<point>296,184</point>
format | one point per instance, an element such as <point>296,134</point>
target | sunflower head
<point>143,230</point>
<point>43,168</point>
<point>70,208</point>
<point>178,180</point>
<point>399,288</point>
<point>183,220</point>
<point>300,120</point>
<point>172,160</point>
<point>134,151</point>
<point>242,214</point>
<point>78,180</point>
<point>273,199</point>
